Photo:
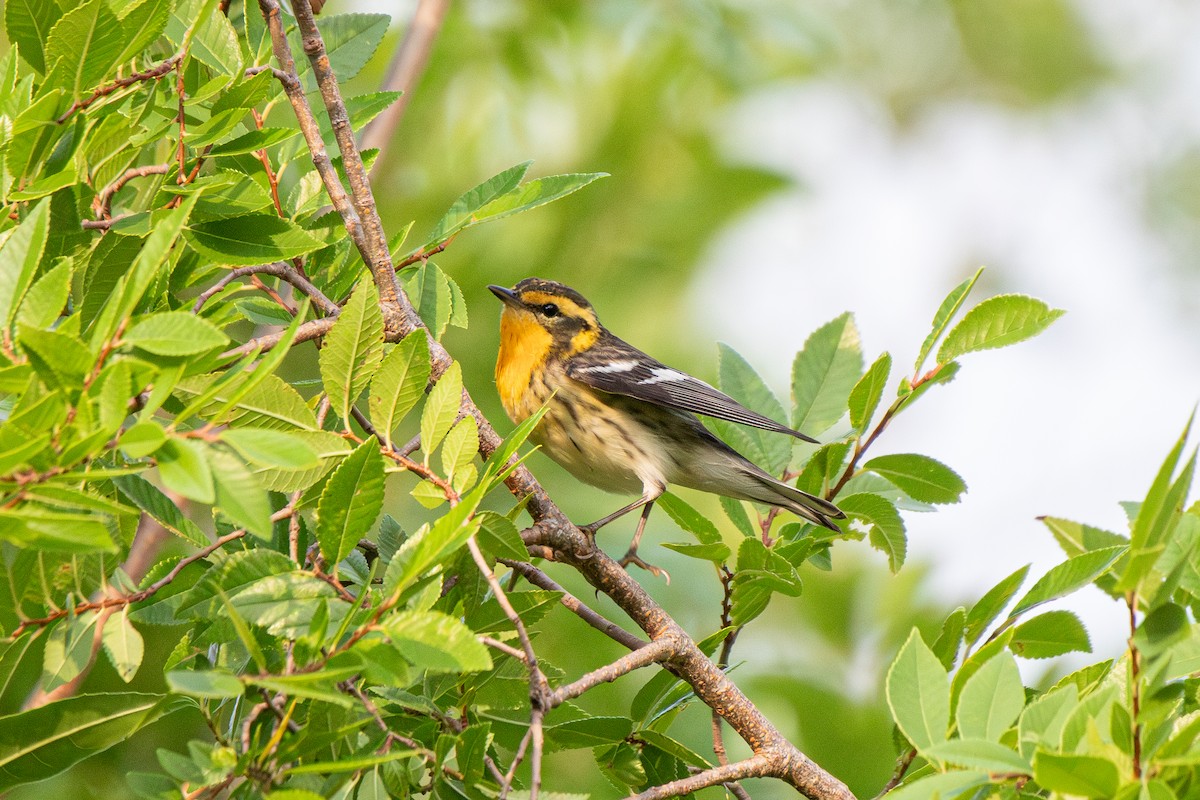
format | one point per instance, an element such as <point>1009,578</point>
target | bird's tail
<point>808,506</point>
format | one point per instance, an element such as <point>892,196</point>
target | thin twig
<point>539,691</point>
<point>102,205</point>
<point>313,329</point>
<point>278,269</point>
<point>757,766</point>
<point>652,653</point>
<point>407,65</point>
<point>575,605</point>
<point>150,74</point>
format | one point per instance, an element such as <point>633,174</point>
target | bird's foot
<point>588,550</point>
<point>631,557</point>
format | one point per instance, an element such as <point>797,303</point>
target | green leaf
<point>886,529</point>
<point>68,650</point>
<point>183,466</point>
<point>500,537</point>
<point>58,358</point>
<point>54,531</point>
<point>992,603</point>
<point>536,193</point>
<point>350,41</point>
<point>921,477</point>
<point>918,693</point>
<point>42,742</point>
<point>824,373</point>
<point>460,213</point>
<point>460,447</point>
<point>353,349</point>
<point>997,322</point>
<point>271,448</point>
<point>430,544</point>
<point>737,515</point>
<point>689,519</point>
<point>1157,515</point>
<point>123,644</point>
<point>22,252</point>
<point>588,732</point>
<point>211,684</point>
<point>1064,578</point>
<point>175,333</point>
<point>939,785</point>
<point>351,501</point>
<point>430,290</point>
<point>1051,634</point>
<point>772,451</point>
<point>1087,776</point>
<point>83,46</point>
<point>436,642</point>
<point>47,297</point>
<point>399,383</point>
<point>991,700</point>
<point>286,604</point>
<point>979,754</point>
<point>865,396</point>
<point>149,499</point>
<point>950,640</point>
<point>944,315</point>
<point>28,24</point>
<point>270,403</point>
<point>251,239</point>
<point>441,409</point>
<point>253,140</point>
<point>239,494</point>
<point>1165,626</point>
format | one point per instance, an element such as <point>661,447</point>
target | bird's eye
<point>550,310</point>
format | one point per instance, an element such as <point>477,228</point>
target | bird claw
<point>631,557</point>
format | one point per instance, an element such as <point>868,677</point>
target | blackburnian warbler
<point>620,420</point>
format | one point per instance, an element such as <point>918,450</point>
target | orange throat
<point>524,345</point>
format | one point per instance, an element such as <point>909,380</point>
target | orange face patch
<point>524,345</point>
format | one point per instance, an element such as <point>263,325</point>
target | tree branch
<point>652,653</point>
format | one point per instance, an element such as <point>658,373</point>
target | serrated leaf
<point>536,193</point>
<point>460,446</point>
<point>271,403</point>
<point>991,700</point>
<point>59,359</point>
<point>239,495</point>
<point>950,639</point>
<point>251,141</point>
<point>865,396</point>
<point>985,611</point>
<point>22,252</point>
<point>211,684</point>
<point>175,333</point>
<point>28,24</point>
<point>1157,514</point>
<point>918,693</point>
<point>43,304</point>
<point>441,408</point>
<point>824,373</point>
<point>123,644</point>
<point>351,501</point>
<point>286,604</point>
<point>84,45</point>
<point>737,515</point>
<point>68,650</point>
<point>1064,578</point>
<point>1083,775</point>
<point>353,349</point>
<point>461,211</point>
<point>184,467</point>
<point>350,41</point>
<point>436,642</point>
<point>943,317</point>
<point>886,530</point>
<point>689,519</point>
<point>149,499</point>
<point>979,754</point>
<point>589,732</point>
<point>1051,634</point>
<point>399,383</point>
<point>53,531</point>
<point>772,451</point>
<point>251,239</point>
<point>42,742</point>
<point>921,477</point>
<point>500,537</point>
<point>997,322</point>
<point>271,448</point>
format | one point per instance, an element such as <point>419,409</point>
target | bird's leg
<point>631,555</point>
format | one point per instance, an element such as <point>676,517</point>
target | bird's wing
<point>620,368</point>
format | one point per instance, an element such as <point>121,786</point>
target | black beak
<point>507,296</point>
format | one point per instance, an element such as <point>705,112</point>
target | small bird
<point>620,420</point>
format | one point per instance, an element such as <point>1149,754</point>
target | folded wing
<point>622,369</point>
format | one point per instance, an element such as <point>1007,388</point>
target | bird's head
<point>548,312</point>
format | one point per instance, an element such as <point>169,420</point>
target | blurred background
<point>775,163</point>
